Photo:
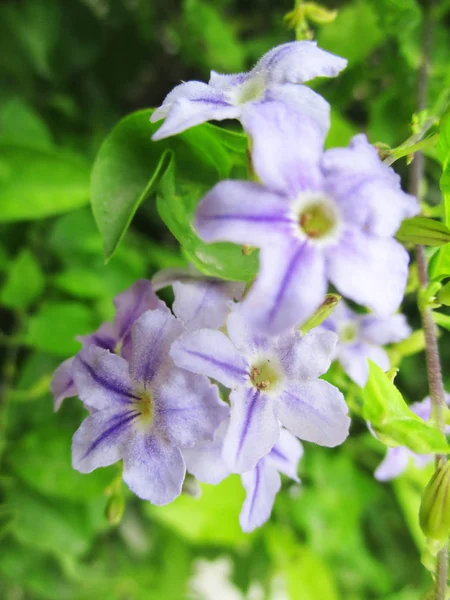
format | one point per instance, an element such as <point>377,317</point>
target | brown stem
<point>434,371</point>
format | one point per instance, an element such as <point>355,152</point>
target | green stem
<point>434,371</point>
<point>405,150</point>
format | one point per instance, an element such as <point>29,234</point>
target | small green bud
<point>421,230</point>
<point>115,508</point>
<point>322,313</point>
<point>434,514</point>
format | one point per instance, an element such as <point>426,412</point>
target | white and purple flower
<point>274,78</point>
<point>145,409</point>
<point>397,459</point>
<point>205,461</point>
<point>361,337</point>
<point>273,381</point>
<point>129,305</point>
<point>317,217</point>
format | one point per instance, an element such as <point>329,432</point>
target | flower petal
<point>62,384</point>
<point>152,335</point>
<point>393,464</point>
<point>205,460</point>
<point>297,62</point>
<point>188,407</point>
<point>286,147</point>
<point>130,305</point>
<point>354,357</point>
<point>285,455</point>
<point>101,439</point>
<point>384,331</point>
<point>245,337</point>
<point>102,379</point>
<point>190,104</point>
<point>153,469</point>
<point>303,100</point>
<point>290,286</point>
<point>105,337</point>
<point>308,356</point>
<point>314,411</point>
<point>367,190</point>
<point>210,352</point>
<point>205,304</point>
<point>242,212</point>
<point>262,485</point>
<point>253,429</point>
<point>370,271</point>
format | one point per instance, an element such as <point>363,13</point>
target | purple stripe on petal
<point>248,419</point>
<point>256,488</point>
<point>215,101</point>
<point>118,423</point>
<point>218,363</point>
<point>249,218</point>
<point>278,454</point>
<point>111,386</point>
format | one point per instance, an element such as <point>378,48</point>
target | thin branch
<point>434,371</point>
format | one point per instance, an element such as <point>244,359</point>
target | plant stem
<point>434,371</point>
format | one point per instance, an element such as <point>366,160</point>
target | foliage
<point>69,71</point>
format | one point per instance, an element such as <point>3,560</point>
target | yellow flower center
<point>264,376</point>
<point>317,219</point>
<point>145,406</point>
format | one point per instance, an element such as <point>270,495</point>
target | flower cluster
<point>155,381</point>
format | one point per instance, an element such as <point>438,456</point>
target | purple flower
<point>361,337</point>
<point>199,301</point>
<point>146,409</point>
<point>205,461</point>
<point>272,380</point>
<point>129,305</point>
<point>397,459</point>
<point>274,78</point>
<point>317,217</point>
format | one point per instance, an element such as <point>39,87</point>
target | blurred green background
<point>69,70</point>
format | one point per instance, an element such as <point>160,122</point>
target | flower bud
<point>322,313</point>
<point>115,508</point>
<point>434,511</point>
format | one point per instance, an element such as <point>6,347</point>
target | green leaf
<point>441,319</point>
<point>24,284</point>
<point>393,421</point>
<point>443,150</point>
<point>42,459</point>
<point>307,576</point>
<point>37,183</point>
<point>54,327</point>
<point>176,204</point>
<point>397,17</point>
<point>211,519</point>
<point>420,230</point>
<point>355,21</point>
<point>130,167</point>
<point>439,265</point>
<point>40,523</point>
<point>20,123</point>
<point>81,283</point>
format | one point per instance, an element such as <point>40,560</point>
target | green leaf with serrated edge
<point>393,421</point>
<point>176,203</point>
<point>24,283</point>
<point>38,183</point>
<point>420,230</point>
<point>130,165</point>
